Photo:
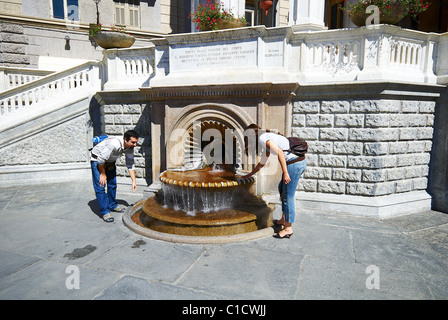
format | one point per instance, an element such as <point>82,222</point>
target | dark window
<point>58,9</point>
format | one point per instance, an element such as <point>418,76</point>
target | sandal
<point>286,236</point>
<point>108,218</point>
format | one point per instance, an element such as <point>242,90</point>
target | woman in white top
<point>292,168</point>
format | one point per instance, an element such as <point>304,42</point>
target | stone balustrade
<point>54,86</point>
<point>14,77</point>
<point>129,68</point>
<point>378,53</point>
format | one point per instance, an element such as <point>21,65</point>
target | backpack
<point>297,146</point>
<point>98,139</point>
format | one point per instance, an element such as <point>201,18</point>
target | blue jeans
<point>287,191</point>
<point>106,201</point>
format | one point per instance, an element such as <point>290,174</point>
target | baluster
<point>139,67</point>
<point>8,82</point>
<point>40,93</point>
<point>15,103</point>
<point>88,77</point>
<point>320,55</point>
<point>33,97</point>
<point>76,80</point>
<point>50,89</point>
<point>27,99</point>
<point>21,101</point>
<point>145,66</point>
<point>392,53</point>
<point>133,68</point>
<point>405,55</point>
<point>416,58</point>
<point>126,67</point>
<point>64,84</point>
<point>6,105</point>
<point>401,54</point>
<point>45,91</point>
<point>83,78</point>
<point>79,79</point>
<point>312,55</point>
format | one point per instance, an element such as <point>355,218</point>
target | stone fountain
<point>203,202</point>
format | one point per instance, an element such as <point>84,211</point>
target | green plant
<point>119,29</point>
<point>95,28</point>
<point>207,16</point>
<point>412,7</point>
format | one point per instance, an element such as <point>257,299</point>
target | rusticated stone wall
<point>365,147</point>
<point>13,45</point>
<point>120,117</point>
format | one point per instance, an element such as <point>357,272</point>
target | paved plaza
<point>55,246</point>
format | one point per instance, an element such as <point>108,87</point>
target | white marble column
<point>307,14</point>
<point>237,7</point>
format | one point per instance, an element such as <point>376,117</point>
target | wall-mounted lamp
<point>67,42</point>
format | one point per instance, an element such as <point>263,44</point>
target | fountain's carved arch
<point>186,135</point>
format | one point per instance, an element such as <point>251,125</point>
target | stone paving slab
<point>49,228</point>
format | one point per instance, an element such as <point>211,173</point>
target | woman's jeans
<point>106,201</point>
<point>287,191</point>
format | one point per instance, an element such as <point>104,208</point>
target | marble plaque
<point>213,55</point>
<point>273,54</point>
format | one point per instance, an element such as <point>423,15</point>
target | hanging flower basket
<point>391,11</point>
<point>109,39</point>
<point>223,24</point>
<point>393,17</point>
<point>213,16</point>
<point>117,37</point>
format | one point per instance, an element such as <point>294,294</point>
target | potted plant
<point>212,16</point>
<point>116,37</point>
<point>391,11</point>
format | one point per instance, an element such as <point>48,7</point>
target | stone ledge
<point>380,207</point>
<point>47,173</point>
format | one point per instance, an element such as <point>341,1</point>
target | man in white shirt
<point>104,173</point>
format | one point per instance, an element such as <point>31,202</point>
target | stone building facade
<point>371,102</point>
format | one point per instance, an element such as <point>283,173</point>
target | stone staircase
<point>45,124</point>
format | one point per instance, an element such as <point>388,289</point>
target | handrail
<point>11,77</point>
<point>55,84</point>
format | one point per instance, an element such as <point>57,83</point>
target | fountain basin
<point>202,190</point>
<point>202,206</point>
<point>203,178</point>
<point>168,220</point>
<point>134,219</point>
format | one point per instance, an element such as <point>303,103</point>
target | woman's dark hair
<point>130,133</point>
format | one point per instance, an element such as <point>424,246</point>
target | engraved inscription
<point>221,56</point>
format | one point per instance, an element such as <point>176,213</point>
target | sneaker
<point>119,209</point>
<point>108,218</point>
